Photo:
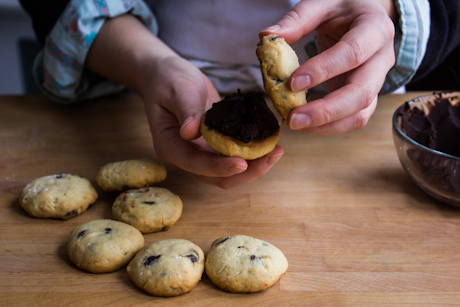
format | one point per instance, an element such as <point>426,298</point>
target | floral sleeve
<point>59,68</point>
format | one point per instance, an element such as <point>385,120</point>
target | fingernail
<point>273,159</point>
<point>235,169</point>
<point>299,121</point>
<point>300,83</point>
<point>272,28</point>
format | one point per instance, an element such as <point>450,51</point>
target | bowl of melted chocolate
<point>426,134</point>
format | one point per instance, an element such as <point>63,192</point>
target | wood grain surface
<point>355,229</point>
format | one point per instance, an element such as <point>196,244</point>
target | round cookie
<point>123,175</point>
<point>244,264</point>
<point>277,62</point>
<point>102,246</point>
<point>149,209</point>
<point>168,267</point>
<point>241,125</point>
<point>58,196</point>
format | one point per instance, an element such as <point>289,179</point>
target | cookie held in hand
<point>277,62</point>
<point>241,125</point>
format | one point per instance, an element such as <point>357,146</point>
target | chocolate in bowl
<point>427,122</point>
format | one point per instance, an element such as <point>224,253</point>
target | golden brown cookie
<point>244,264</point>
<point>123,175</point>
<point>102,246</point>
<point>149,209</point>
<point>277,62</point>
<point>168,267</point>
<point>61,196</point>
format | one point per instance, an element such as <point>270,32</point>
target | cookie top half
<point>277,62</point>
<point>60,196</point>
<point>244,264</point>
<point>167,267</point>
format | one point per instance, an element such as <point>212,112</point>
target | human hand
<point>176,95</point>
<point>355,46</point>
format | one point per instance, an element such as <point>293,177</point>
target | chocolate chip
<point>59,176</point>
<point>151,260</point>
<point>223,240</point>
<point>82,234</point>
<point>90,205</point>
<point>275,38</point>
<point>149,202</point>
<point>192,258</point>
<point>240,246</point>
<point>108,230</point>
<point>73,212</point>
<point>253,257</point>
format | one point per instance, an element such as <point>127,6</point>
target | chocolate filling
<point>245,117</point>
<point>440,130</point>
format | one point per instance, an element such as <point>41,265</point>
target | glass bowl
<point>435,172</point>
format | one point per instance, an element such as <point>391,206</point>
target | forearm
<point>126,52</point>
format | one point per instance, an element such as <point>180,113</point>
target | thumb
<point>189,106</point>
<point>301,20</point>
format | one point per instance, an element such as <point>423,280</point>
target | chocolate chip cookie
<point>123,175</point>
<point>168,267</point>
<point>244,264</point>
<point>277,62</point>
<point>60,196</point>
<point>149,209</point>
<point>102,246</point>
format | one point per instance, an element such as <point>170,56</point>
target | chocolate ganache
<point>245,117</point>
<point>435,125</point>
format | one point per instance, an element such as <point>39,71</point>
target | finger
<point>256,168</point>
<point>352,122</point>
<point>301,20</point>
<point>190,156</point>
<point>367,35</point>
<point>359,92</point>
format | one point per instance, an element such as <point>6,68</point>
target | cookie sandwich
<point>241,125</point>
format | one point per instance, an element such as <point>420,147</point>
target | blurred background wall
<point>18,49</point>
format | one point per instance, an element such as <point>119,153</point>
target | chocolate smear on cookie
<point>245,117</point>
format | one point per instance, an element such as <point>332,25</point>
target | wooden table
<point>355,229</point>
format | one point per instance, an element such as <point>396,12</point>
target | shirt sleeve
<point>444,37</point>
<point>411,39</point>
<point>59,69</point>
